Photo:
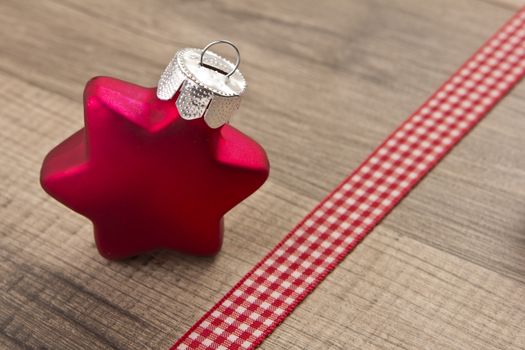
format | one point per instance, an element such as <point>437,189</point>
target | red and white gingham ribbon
<point>272,289</point>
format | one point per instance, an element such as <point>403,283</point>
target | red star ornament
<point>147,178</point>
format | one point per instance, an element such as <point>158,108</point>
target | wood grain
<point>327,82</point>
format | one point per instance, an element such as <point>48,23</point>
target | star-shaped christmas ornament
<point>147,177</point>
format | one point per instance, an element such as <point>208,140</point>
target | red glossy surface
<point>148,179</point>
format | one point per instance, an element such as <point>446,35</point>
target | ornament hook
<point>205,88</point>
<point>237,63</point>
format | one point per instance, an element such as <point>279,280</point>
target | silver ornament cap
<point>210,85</point>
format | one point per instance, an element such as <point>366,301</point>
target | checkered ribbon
<point>281,280</point>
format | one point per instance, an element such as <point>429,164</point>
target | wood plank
<point>327,82</point>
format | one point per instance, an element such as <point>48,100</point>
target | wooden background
<point>328,80</point>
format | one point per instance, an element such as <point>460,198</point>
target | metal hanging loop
<point>237,63</point>
<point>202,86</point>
